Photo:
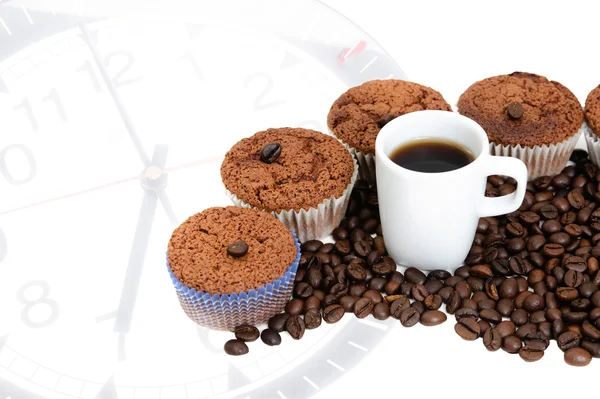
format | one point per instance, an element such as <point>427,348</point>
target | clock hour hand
<point>139,248</point>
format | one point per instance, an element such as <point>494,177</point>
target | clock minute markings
<point>108,391</point>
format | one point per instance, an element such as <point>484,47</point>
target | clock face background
<point>114,121</point>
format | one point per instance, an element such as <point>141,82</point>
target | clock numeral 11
<point>52,97</point>
<point>42,299</point>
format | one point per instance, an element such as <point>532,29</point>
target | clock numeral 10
<point>52,97</point>
<point>42,300</point>
<point>118,79</point>
<point>3,246</point>
<point>24,152</point>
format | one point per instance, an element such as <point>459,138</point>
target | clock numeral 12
<point>3,246</point>
<point>53,97</point>
<point>43,299</point>
<point>29,159</point>
<point>268,86</point>
<point>118,79</point>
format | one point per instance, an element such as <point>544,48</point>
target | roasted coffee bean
<point>419,292</point>
<point>486,304</point>
<point>414,276</point>
<point>588,289</point>
<point>500,267</point>
<point>454,302</point>
<point>574,317</point>
<point>438,275</point>
<point>463,289</point>
<point>529,218</point>
<point>505,307</point>
<point>576,199</point>
<point>479,296</point>
<point>373,295</point>
<point>535,242</point>
<point>398,305</point>
<point>558,328</point>
<point>373,257</point>
<point>516,229</point>
<point>592,347</point>
<point>483,271</point>
<point>397,276</point>
<point>329,300</point>
<point>277,322</point>
<point>573,278</point>
<point>577,357</point>
<point>492,340</point>
<point>377,283</point>
<point>357,289</point>
<point>379,245</point>
<point>357,235</point>
<point>312,302</point>
<point>353,223</point>
<point>537,317</point>
<point>409,317</point>
<point>340,233</point>
<point>311,245</point>
<point>590,331</point>
<point>580,305</point>
<point>325,259</point>
<point>294,307</point>
<point>553,250</point>
<point>452,281</point>
<point>270,337</point>
<point>533,302</point>
<point>302,290</point>
<point>391,287</point>
<point>520,299</point>
<point>526,329</point>
<point>466,312</point>
<point>347,302</point>
<point>491,290</point>
<point>434,286</point>
<point>295,326</point>
<point>483,326</point>
<point>433,302</point>
<point>343,247</point>
<point>312,319</point>
<point>237,249</point>
<point>383,268</point>
<point>333,313</point>
<point>506,328</point>
<point>496,239</point>
<point>566,294</point>
<point>356,272</point>
<point>490,315</point>
<point>433,318</point>
<point>247,333</point>
<point>339,290</point>
<point>406,288</point>
<point>468,329</point>
<point>236,347</point>
<point>381,311</point>
<point>477,284</point>
<point>538,340</point>
<point>508,289</point>
<point>511,344</point>
<point>549,211</point>
<point>531,353</point>
<point>362,248</point>
<point>540,288</point>
<point>469,303</point>
<point>551,226</point>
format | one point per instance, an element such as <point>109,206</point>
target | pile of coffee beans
<point>531,276</point>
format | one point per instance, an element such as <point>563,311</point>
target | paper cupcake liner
<point>593,143</point>
<point>366,162</point>
<point>314,223</point>
<point>226,312</point>
<point>544,160</point>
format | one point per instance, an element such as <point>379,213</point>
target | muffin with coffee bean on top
<point>232,266</point>
<point>358,115</point>
<point>592,124</point>
<point>302,176</point>
<point>528,117</point>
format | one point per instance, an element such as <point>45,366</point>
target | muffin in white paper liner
<point>314,223</point>
<point>544,160</point>
<point>593,143</point>
<point>226,312</point>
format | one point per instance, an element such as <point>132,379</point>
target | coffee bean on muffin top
<point>230,250</point>
<point>287,168</point>
<point>522,109</point>
<point>358,115</point>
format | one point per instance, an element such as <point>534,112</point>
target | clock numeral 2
<point>53,97</point>
<point>29,159</point>
<point>267,86</point>
<point>118,79</point>
<point>43,299</point>
<point>3,246</point>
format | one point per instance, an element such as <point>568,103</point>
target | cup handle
<point>506,166</point>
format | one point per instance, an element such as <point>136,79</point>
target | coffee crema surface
<point>432,155</point>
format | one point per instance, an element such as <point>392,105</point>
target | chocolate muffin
<point>302,176</point>
<point>592,128</point>
<point>358,115</point>
<point>226,256</point>
<point>526,116</point>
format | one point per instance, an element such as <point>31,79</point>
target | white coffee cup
<point>429,220</point>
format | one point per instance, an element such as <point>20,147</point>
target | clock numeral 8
<point>41,300</point>
<point>3,246</point>
<point>27,156</point>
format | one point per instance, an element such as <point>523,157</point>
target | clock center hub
<point>153,177</point>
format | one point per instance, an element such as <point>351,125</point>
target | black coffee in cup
<point>431,155</point>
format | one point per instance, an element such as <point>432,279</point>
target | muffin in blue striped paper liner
<point>222,286</point>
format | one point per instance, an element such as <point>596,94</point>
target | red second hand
<point>103,186</point>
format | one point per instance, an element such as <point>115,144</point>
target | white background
<point>448,45</point>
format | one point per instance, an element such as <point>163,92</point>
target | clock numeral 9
<point>30,305</point>
<point>3,246</point>
<point>267,86</point>
<point>25,153</point>
<point>118,79</point>
<point>52,97</point>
